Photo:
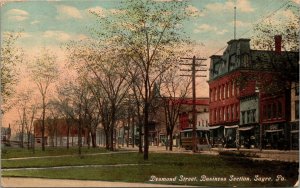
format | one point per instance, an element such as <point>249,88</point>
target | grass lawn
<point>8,152</point>
<point>163,165</point>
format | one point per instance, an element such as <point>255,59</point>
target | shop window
<point>297,109</point>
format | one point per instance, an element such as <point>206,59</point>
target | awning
<point>245,128</point>
<point>273,131</point>
<point>231,127</point>
<point>294,131</point>
<point>214,127</point>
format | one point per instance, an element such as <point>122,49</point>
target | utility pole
<point>194,111</point>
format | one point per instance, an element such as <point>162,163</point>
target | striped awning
<point>231,127</point>
<point>245,128</point>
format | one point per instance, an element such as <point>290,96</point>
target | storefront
<point>217,136</point>
<point>294,135</point>
<point>249,136</point>
<point>231,135</point>
<point>274,137</point>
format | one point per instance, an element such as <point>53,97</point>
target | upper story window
<point>296,109</point>
<point>232,88</point>
<point>227,91</point>
<point>246,61</point>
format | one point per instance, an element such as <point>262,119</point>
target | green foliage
<point>11,56</point>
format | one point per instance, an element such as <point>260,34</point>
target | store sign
<point>274,127</point>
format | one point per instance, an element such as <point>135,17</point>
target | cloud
<point>17,14</point>
<point>63,36</point>
<point>208,28</point>
<point>34,22</point>
<point>66,12</point>
<point>58,35</point>
<point>241,5</point>
<point>193,11</point>
<point>241,24</point>
<point>102,12</point>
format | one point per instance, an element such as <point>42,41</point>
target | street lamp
<point>258,110</point>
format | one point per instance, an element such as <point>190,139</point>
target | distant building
<point>56,132</point>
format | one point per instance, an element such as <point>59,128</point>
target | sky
<point>52,23</point>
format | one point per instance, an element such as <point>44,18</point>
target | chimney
<point>278,39</point>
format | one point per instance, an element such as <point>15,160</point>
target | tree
<point>44,71</point>
<point>175,90</point>
<point>284,64</point>
<point>105,74</point>
<point>146,32</point>
<point>11,56</point>
<point>27,109</point>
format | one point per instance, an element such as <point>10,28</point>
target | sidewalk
<point>39,182</point>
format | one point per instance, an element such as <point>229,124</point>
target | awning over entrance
<point>273,131</point>
<point>245,128</point>
<point>231,127</point>
<point>214,127</point>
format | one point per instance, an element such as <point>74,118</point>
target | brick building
<point>239,103</point>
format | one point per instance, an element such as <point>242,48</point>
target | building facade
<point>242,112</point>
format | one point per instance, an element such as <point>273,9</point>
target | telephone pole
<point>194,111</point>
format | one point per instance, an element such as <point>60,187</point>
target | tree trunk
<point>89,139</point>
<point>43,124</point>
<point>140,138</point>
<point>146,131</point>
<point>106,139</point>
<point>79,138</point>
<point>171,140</point>
<point>93,134</point>
<point>133,136</point>
<point>28,140</point>
<point>111,134</point>
<point>68,134</point>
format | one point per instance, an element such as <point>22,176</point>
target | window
<point>237,91</point>
<point>224,92</point>
<point>232,87</point>
<point>243,117</point>
<point>229,91</point>
<point>296,109</point>
<point>248,116</point>
<point>228,113</point>
<point>274,108</point>
<point>237,111</point>
<point>215,98</point>
<point>232,112</point>
<point>297,89</point>
<point>210,95</point>
<point>265,111</point>
<point>224,114</point>
<point>269,111</point>
<point>279,109</point>
<point>220,115</point>
<point>254,115</point>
